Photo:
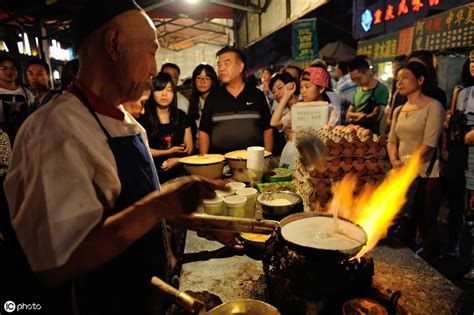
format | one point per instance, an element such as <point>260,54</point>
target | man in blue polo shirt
<point>237,115</point>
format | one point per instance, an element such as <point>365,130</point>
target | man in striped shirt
<point>236,115</point>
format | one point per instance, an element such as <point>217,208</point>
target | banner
<point>387,47</point>
<point>450,29</point>
<point>304,40</point>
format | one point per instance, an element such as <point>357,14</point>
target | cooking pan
<point>195,306</point>
<point>296,229</point>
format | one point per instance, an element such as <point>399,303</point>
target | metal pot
<point>301,279</point>
<point>278,212</point>
<point>234,224</point>
<point>195,306</point>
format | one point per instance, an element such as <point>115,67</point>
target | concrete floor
<point>454,269</point>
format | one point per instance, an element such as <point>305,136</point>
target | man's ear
<point>112,42</point>
<point>242,65</point>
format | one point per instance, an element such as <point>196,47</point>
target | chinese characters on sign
<point>385,48</point>
<point>391,11</point>
<point>450,29</point>
<point>304,40</point>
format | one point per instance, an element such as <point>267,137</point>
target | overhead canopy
<point>179,23</point>
<point>337,51</point>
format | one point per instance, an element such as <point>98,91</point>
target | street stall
<point>322,258</point>
<point>230,275</point>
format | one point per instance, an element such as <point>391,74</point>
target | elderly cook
<point>83,193</point>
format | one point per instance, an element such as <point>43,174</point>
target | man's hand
<point>182,196</point>
<point>229,239</point>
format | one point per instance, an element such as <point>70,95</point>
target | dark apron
<point>122,285</point>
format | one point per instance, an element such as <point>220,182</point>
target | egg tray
<point>322,196</point>
<point>337,169</point>
<point>356,151</point>
<point>321,185</point>
<point>341,143</point>
<point>318,189</point>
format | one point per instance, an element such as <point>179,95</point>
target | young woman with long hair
<point>168,128</point>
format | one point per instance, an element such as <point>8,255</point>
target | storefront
<point>449,34</point>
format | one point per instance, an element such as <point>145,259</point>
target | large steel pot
<point>303,278</point>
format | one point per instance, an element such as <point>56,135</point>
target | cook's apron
<point>288,155</point>
<point>122,285</point>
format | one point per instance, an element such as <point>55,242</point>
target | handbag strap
<point>432,161</point>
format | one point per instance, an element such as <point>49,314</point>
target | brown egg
<point>327,127</point>
<point>350,130</point>
<point>367,133</point>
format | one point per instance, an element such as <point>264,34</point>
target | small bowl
<point>274,205</point>
<point>235,185</point>
<point>254,244</point>
<point>256,240</point>
<point>278,175</point>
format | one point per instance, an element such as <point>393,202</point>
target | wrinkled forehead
<point>230,55</point>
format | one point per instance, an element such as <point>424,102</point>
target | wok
<point>297,240</point>
<point>195,306</point>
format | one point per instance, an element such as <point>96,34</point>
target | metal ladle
<point>195,306</point>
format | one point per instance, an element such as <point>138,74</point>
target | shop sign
<point>304,40</point>
<point>387,47</point>
<point>450,29</point>
<point>388,16</point>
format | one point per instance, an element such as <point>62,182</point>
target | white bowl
<point>235,185</point>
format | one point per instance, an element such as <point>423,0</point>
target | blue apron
<point>122,285</point>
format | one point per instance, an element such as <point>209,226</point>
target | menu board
<point>304,40</point>
<point>309,116</point>
<point>450,29</point>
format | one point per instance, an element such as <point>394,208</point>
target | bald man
<point>83,193</point>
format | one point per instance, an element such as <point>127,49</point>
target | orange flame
<point>375,207</point>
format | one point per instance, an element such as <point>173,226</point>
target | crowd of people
<point>91,157</point>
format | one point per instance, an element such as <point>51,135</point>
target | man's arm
<point>268,139</point>
<point>352,115</point>
<point>112,236</point>
<point>374,114</point>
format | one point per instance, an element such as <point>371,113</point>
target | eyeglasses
<point>203,79</point>
<point>5,68</point>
